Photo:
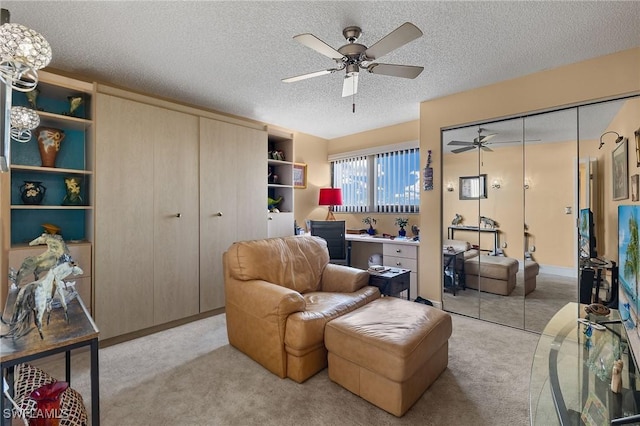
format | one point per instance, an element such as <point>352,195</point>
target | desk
<point>59,336</point>
<point>494,231</point>
<point>570,379</point>
<point>453,262</point>
<point>397,253</point>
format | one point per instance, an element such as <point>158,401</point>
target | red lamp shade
<point>330,197</point>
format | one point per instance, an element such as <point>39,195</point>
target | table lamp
<point>330,197</point>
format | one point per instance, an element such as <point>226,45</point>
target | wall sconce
<point>450,187</point>
<point>23,120</point>
<point>495,184</point>
<point>618,140</point>
<point>22,53</point>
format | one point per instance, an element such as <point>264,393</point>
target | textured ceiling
<point>231,56</point>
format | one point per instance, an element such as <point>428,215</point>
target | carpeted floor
<point>189,375</point>
<point>532,312</point>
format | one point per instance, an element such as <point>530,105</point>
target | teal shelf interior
<point>27,224</point>
<point>70,156</point>
<point>56,189</point>
<point>48,104</point>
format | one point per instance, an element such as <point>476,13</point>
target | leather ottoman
<point>389,351</point>
<point>493,274</point>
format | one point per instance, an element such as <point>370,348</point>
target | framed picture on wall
<point>473,187</point>
<point>299,175</point>
<point>620,172</point>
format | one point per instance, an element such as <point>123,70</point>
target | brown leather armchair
<point>280,293</point>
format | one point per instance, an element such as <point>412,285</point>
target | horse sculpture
<point>36,297</point>
<point>56,248</point>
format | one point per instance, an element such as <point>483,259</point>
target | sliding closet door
<point>501,223</point>
<point>550,214</point>
<point>463,187</point>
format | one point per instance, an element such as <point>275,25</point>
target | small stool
<point>531,269</point>
<point>389,351</point>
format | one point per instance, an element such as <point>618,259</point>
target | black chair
<point>333,232</point>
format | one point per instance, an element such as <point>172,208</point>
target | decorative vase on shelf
<point>32,192</point>
<point>72,196</point>
<point>47,398</point>
<point>49,140</point>
<point>371,231</point>
<point>402,232</point>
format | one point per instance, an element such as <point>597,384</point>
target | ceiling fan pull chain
<point>353,98</point>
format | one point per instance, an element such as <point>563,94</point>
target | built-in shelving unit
<point>74,159</point>
<point>280,183</point>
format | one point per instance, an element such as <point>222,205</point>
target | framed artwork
<point>637,135</point>
<point>635,180</point>
<point>473,187</point>
<point>620,172</point>
<point>299,175</point>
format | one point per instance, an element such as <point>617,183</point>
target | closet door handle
<point>218,214</point>
<point>178,214</point>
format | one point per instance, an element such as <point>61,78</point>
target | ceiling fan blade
<point>485,137</point>
<point>399,37</point>
<point>404,71</point>
<point>350,85</point>
<point>465,143</point>
<point>318,45</point>
<point>309,75</point>
<point>466,148</point>
<point>486,148</point>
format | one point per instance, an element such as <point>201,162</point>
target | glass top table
<point>571,372</point>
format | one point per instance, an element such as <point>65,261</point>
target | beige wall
<point>576,83</point>
<point>312,151</point>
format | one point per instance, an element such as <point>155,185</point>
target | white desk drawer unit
<point>403,256</point>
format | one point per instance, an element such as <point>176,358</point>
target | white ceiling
<point>231,56</point>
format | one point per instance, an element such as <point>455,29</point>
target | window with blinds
<point>387,182</point>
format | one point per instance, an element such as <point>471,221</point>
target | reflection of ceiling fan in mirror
<point>480,142</point>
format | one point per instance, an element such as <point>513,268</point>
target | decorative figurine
<point>616,376</point>
<point>488,222</point>
<point>457,220</point>
<point>32,98</point>
<point>74,104</point>
<point>35,299</point>
<point>272,204</point>
<point>56,249</point>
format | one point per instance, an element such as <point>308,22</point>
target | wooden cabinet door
<point>124,229</point>
<point>175,187</point>
<point>252,200</point>
<point>219,174</point>
<point>233,169</point>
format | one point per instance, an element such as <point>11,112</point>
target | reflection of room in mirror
<point>548,167</point>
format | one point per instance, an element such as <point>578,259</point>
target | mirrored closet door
<point>513,192</point>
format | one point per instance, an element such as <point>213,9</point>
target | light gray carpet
<point>189,375</point>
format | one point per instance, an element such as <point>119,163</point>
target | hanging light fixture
<point>22,53</point>
<point>23,120</point>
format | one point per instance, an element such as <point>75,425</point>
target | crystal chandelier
<point>22,53</point>
<point>23,120</point>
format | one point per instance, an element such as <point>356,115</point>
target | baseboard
<point>436,304</point>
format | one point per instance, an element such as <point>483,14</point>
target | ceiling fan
<point>353,56</point>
